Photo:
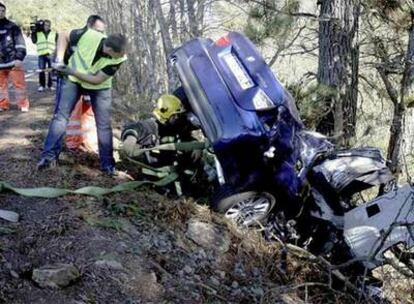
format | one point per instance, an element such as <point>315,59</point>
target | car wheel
<point>245,208</point>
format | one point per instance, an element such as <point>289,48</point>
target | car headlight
<point>262,102</point>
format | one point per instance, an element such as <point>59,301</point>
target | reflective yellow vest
<point>46,45</point>
<point>82,60</point>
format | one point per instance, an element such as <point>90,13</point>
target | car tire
<point>245,208</point>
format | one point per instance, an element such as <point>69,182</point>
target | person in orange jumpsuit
<point>12,54</point>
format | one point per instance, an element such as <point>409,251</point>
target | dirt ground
<point>74,230</point>
<point>128,247</point>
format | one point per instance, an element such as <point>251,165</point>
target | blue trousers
<point>67,95</point>
<point>45,61</point>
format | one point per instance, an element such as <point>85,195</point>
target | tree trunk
<point>397,126</point>
<point>183,33</point>
<point>173,21</point>
<point>192,19</point>
<point>338,67</point>
<point>144,50</point>
<point>351,103</point>
<point>167,43</point>
<point>396,137</point>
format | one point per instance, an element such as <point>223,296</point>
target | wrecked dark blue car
<point>245,113</point>
<point>263,153</point>
<point>274,172</point>
<point>243,109</point>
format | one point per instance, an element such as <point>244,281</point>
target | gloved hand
<point>18,64</point>
<point>62,68</point>
<point>196,155</point>
<point>129,145</point>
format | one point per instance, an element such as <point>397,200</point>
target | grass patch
<point>106,223</point>
<point>7,231</point>
<point>125,209</point>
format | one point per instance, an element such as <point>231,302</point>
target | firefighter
<point>90,70</point>
<point>171,123</point>
<point>12,54</point>
<point>45,39</point>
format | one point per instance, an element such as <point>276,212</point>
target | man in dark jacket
<point>12,54</point>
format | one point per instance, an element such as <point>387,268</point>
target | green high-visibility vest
<point>45,45</point>
<point>82,60</point>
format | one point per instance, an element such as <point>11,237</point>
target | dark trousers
<point>68,94</point>
<point>45,61</point>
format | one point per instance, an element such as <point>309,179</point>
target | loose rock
<point>56,275</point>
<point>112,264</point>
<point>208,236</point>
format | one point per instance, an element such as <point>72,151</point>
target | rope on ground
<point>49,192</point>
<point>171,176</point>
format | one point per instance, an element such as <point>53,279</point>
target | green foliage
<point>257,12</point>
<point>279,24</point>
<point>308,100</point>
<point>395,13</point>
<point>292,6</point>
<point>326,91</point>
<point>254,31</point>
<point>64,14</point>
<point>409,101</point>
<point>389,4</point>
<point>271,19</point>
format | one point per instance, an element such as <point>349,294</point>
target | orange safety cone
<point>81,130</point>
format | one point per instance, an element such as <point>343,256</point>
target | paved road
<point>30,63</point>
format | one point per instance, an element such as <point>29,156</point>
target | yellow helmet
<point>167,106</point>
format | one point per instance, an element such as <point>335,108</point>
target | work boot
<point>41,89</point>
<point>45,164</point>
<point>110,172</point>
